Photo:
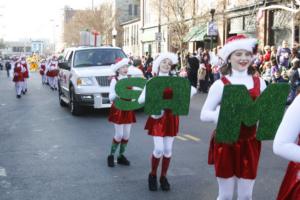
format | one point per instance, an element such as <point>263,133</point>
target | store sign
<point>158,37</point>
<point>212,28</point>
<point>207,37</point>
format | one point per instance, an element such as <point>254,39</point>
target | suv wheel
<point>74,106</point>
<point>61,102</point>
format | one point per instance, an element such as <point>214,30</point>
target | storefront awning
<point>196,33</point>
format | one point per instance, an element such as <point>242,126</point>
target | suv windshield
<point>97,57</point>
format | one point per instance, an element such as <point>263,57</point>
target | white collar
<point>239,74</point>
<point>163,74</point>
<point>122,76</point>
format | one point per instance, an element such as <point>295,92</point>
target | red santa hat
<point>238,42</point>
<point>120,62</point>
<point>172,56</point>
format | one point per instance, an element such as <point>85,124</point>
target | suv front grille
<point>103,80</point>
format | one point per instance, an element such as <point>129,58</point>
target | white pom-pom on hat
<point>238,42</point>
<point>120,63</point>
<point>172,56</point>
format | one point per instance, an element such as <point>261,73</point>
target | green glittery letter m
<point>237,107</point>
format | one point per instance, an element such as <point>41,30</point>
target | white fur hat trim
<point>239,44</point>
<point>172,56</point>
<point>121,63</point>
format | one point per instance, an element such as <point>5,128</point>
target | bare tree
<point>99,19</point>
<point>180,16</point>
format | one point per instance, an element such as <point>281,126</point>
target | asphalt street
<point>48,154</point>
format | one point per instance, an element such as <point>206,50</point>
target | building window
<point>130,9</point>
<point>136,10</point>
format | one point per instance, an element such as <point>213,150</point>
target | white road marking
<point>192,137</point>
<point>181,138</point>
<point>2,171</point>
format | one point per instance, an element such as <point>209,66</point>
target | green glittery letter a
<point>180,101</point>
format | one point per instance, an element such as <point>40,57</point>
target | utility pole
<point>212,12</point>
<point>159,28</point>
<point>293,25</point>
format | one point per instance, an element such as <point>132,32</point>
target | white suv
<point>84,77</point>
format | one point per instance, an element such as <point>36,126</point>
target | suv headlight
<point>85,81</point>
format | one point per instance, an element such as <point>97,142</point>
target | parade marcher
<point>25,74</point>
<point>235,162</point>
<point>52,73</point>
<point>193,66</point>
<point>18,78</point>
<point>7,67</point>
<point>287,145</point>
<point>42,71</point>
<point>283,56</point>
<point>122,120</point>
<point>164,127</point>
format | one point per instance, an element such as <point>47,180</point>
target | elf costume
<point>122,120</point>
<point>287,145</point>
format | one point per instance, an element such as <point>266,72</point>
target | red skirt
<point>120,116</point>
<point>167,125</point>
<point>290,186</point>
<point>18,77</point>
<point>52,73</point>
<point>239,159</point>
<point>26,74</point>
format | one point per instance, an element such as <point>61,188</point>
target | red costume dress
<point>290,187</point>
<point>43,69</point>
<point>120,116</point>
<point>241,158</point>
<point>25,74</point>
<point>18,75</point>
<point>52,72</point>
<point>167,125</point>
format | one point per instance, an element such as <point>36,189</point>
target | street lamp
<point>212,12</point>
<point>114,35</point>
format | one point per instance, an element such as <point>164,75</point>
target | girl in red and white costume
<point>163,127</point>
<point>18,78</point>
<point>287,145</point>
<point>52,73</point>
<point>25,74</point>
<point>122,120</point>
<point>235,162</point>
<point>43,71</point>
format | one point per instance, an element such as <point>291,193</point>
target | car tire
<point>75,108</point>
<point>61,102</point>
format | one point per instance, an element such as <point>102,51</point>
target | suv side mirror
<point>64,65</point>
